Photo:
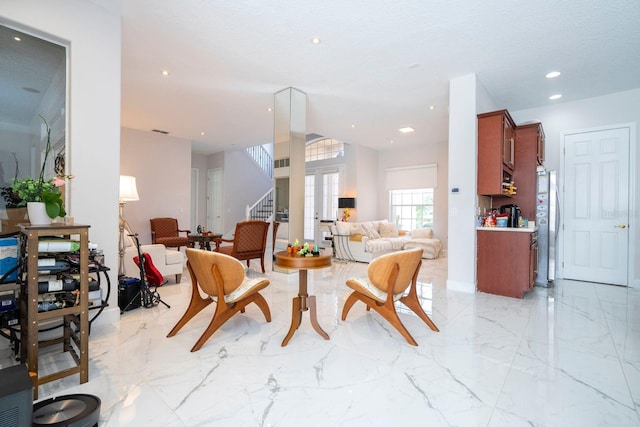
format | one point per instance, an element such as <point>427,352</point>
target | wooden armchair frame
<point>171,241</point>
<point>249,242</point>
<point>394,291</point>
<point>221,279</point>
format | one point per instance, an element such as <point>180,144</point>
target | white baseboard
<point>469,288</point>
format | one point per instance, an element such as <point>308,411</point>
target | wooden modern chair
<point>222,279</point>
<point>249,241</point>
<point>389,276</point>
<point>165,231</point>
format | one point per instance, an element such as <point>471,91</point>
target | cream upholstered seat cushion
<point>247,287</point>
<point>365,286</point>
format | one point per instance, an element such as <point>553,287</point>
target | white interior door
<point>214,200</point>
<point>596,200</point>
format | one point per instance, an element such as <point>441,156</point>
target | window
<point>412,208</point>
<point>327,148</point>
<point>309,206</point>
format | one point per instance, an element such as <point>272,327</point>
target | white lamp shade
<point>128,189</point>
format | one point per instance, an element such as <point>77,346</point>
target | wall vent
<point>164,132</point>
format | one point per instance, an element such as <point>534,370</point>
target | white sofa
<point>362,242</point>
<point>168,262</point>
<point>423,238</point>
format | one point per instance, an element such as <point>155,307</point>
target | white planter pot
<point>37,213</point>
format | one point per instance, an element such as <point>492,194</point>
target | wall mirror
<point>282,199</point>
<point>33,83</point>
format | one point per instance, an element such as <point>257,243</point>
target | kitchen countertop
<point>517,230</point>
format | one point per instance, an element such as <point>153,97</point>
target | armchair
<point>165,231</point>
<point>168,262</point>
<point>222,279</point>
<point>249,242</point>
<point>389,276</point>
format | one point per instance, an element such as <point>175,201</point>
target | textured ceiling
<point>380,65</point>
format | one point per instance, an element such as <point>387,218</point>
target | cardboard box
<point>9,258</point>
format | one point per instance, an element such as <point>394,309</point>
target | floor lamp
<point>128,193</point>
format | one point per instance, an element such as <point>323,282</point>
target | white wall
<point>199,162</point>
<point>363,183</point>
<point>464,95</point>
<point>426,153</point>
<point>612,109</point>
<point>243,184</point>
<point>93,112</point>
<point>162,167</point>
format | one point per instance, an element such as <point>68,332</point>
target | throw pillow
<point>370,231</point>
<point>422,233</point>
<point>356,228</point>
<point>344,228</point>
<point>387,230</point>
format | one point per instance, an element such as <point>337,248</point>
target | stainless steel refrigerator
<point>547,220</point>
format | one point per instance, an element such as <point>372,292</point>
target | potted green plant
<point>41,190</point>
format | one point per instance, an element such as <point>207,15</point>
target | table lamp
<point>346,203</point>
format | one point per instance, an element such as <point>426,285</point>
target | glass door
<point>322,189</point>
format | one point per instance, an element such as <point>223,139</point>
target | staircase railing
<point>262,158</point>
<point>262,209</point>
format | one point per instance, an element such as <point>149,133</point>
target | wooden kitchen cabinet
<point>525,176</point>
<point>540,145</point>
<point>496,151</point>
<point>507,262</point>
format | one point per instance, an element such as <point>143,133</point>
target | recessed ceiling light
<point>315,40</point>
<point>165,73</point>
<point>432,107</point>
<point>269,109</point>
<point>391,141</point>
<point>552,74</point>
<point>556,96</point>
<point>407,129</point>
<point>18,39</point>
<point>353,126</point>
<point>202,133</point>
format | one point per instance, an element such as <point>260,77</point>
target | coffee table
<point>204,241</point>
<point>304,301</point>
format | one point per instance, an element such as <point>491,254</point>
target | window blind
<point>412,177</point>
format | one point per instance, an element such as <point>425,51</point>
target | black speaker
<point>128,293</point>
<point>16,397</point>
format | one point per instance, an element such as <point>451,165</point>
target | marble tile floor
<point>564,356</point>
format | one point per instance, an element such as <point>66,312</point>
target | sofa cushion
<point>356,228</point>
<point>370,230</point>
<point>384,244</point>
<point>422,233</point>
<point>387,230</point>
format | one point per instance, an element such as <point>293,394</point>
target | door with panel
<point>596,200</point>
